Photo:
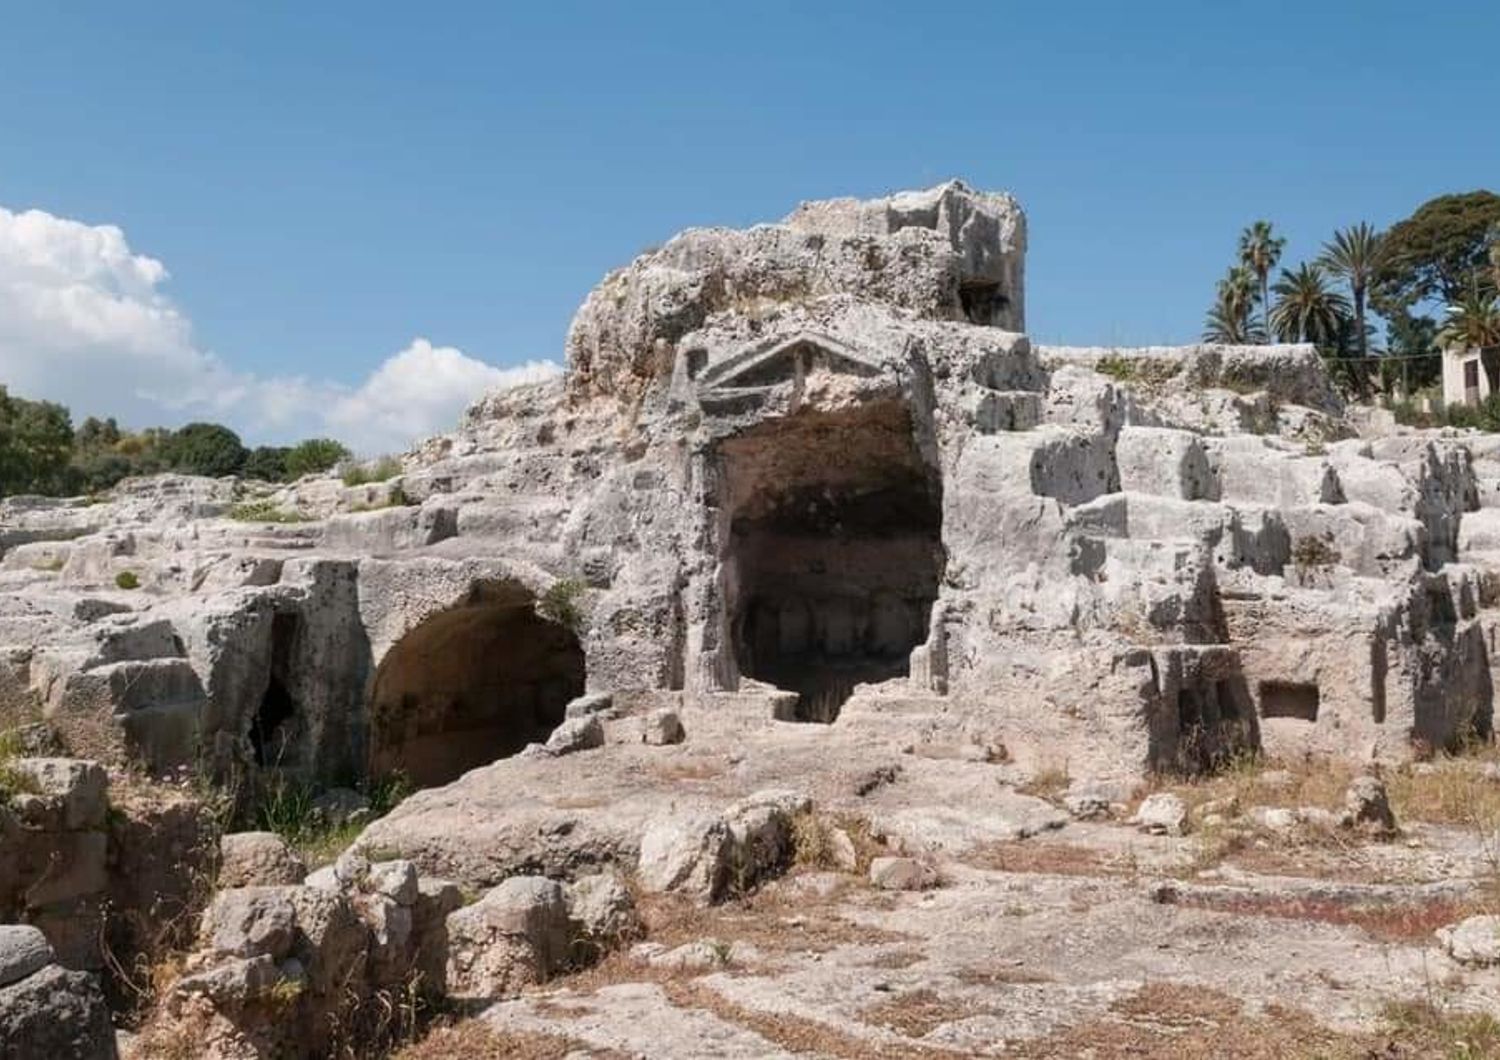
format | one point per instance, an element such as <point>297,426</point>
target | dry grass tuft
<point>896,959</point>
<point>1249,780</point>
<point>1387,921</point>
<point>1168,1020</point>
<point>1049,859</point>
<point>797,1034</point>
<point>1449,790</point>
<point>688,769</point>
<point>1008,976</point>
<point>1048,782</point>
<point>1425,1028</point>
<point>816,842</point>
<point>774,920</point>
<point>917,1013</point>
<point>472,1039</point>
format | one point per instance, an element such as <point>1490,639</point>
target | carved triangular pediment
<point>783,359</point>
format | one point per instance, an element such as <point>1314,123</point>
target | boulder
<point>23,950</point>
<point>602,911</point>
<point>690,855</point>
<point>589,705</point>
<point>516,935</point>
<point>662,727</point>
<point>1475,941</point>
<point>1367,808</point>
<point>79,787</point>
<point>901,874</point>
<point>253,859</point>
<point>576,734</point>
<point>761,830</point>
<point>233,982</point>
<point>396,880</point>
<point>54,1014</point>
<point>251,921</point>
<point>1161,814</point>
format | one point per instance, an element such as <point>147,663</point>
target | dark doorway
<point>274,725</point>
<point>835,552</point>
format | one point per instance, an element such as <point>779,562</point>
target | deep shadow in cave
<point>271,729</point>
<point>834,551</point>
<point>468,686</point>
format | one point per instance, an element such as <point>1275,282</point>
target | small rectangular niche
<point>982,301</point>
<point>1289,699</point>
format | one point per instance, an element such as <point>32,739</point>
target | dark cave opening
<point>835,551</point>
<point>271,729</point>
<point>469,686</point>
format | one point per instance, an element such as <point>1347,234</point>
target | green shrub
<point>396,497</point>
<point>561,604</point>
<point>1137,369</point>
<point>264,512</point>
<point>267,464</point>
<point>12,781</point>
<point>1483,417</point>
<point>387,467</point>
<point>205,449</point>
<point>127,579</point>
<point>288,808</point>
<point>313,455</point>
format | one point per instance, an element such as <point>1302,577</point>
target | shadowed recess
<point>468,686</point>
<point>834,551</point>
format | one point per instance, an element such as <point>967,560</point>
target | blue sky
<point>325,183</point>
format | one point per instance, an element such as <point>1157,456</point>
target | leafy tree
<point>36,441</point>
<point>267,463</point>
<point>1260,250</point>
<point>1412,342</point>
<point>205,449</point>
<point>1229,318</point>
<point>1494,240</point>
<point>1307,310</point>
<point>94,434</point>
<point>1354,255</point>
<point>314,455</point>
<point>1436,253</point>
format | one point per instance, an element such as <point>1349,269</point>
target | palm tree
<point>1306,309</point>
<point>1472,324</point>
<point>1353,255</point>
<point>1260,250</point>
<point>1229,320</point>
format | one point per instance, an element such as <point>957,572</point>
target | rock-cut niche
<point>470,685</point>
<point>273,728</point>
<point>834,552</point>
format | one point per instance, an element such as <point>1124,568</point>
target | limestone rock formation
<point>809,492</point>
<point>45,1009</point>
<point>814,460</point>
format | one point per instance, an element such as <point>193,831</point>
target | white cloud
<point>418,387</point>
<point>83,321</point>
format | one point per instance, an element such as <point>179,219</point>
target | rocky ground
<point>1249,908</point>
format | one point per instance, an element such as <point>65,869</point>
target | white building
<point>1465,380</point>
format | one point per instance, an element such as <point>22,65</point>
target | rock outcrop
<point>810,472</point>
<point>47,1010</point>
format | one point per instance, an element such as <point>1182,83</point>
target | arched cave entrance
<point>468,686</point>
<point>834,551</point>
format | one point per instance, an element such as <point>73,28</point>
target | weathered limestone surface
<point>45,1009</point>
<point>809,472</point>
<point>813,455</point>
